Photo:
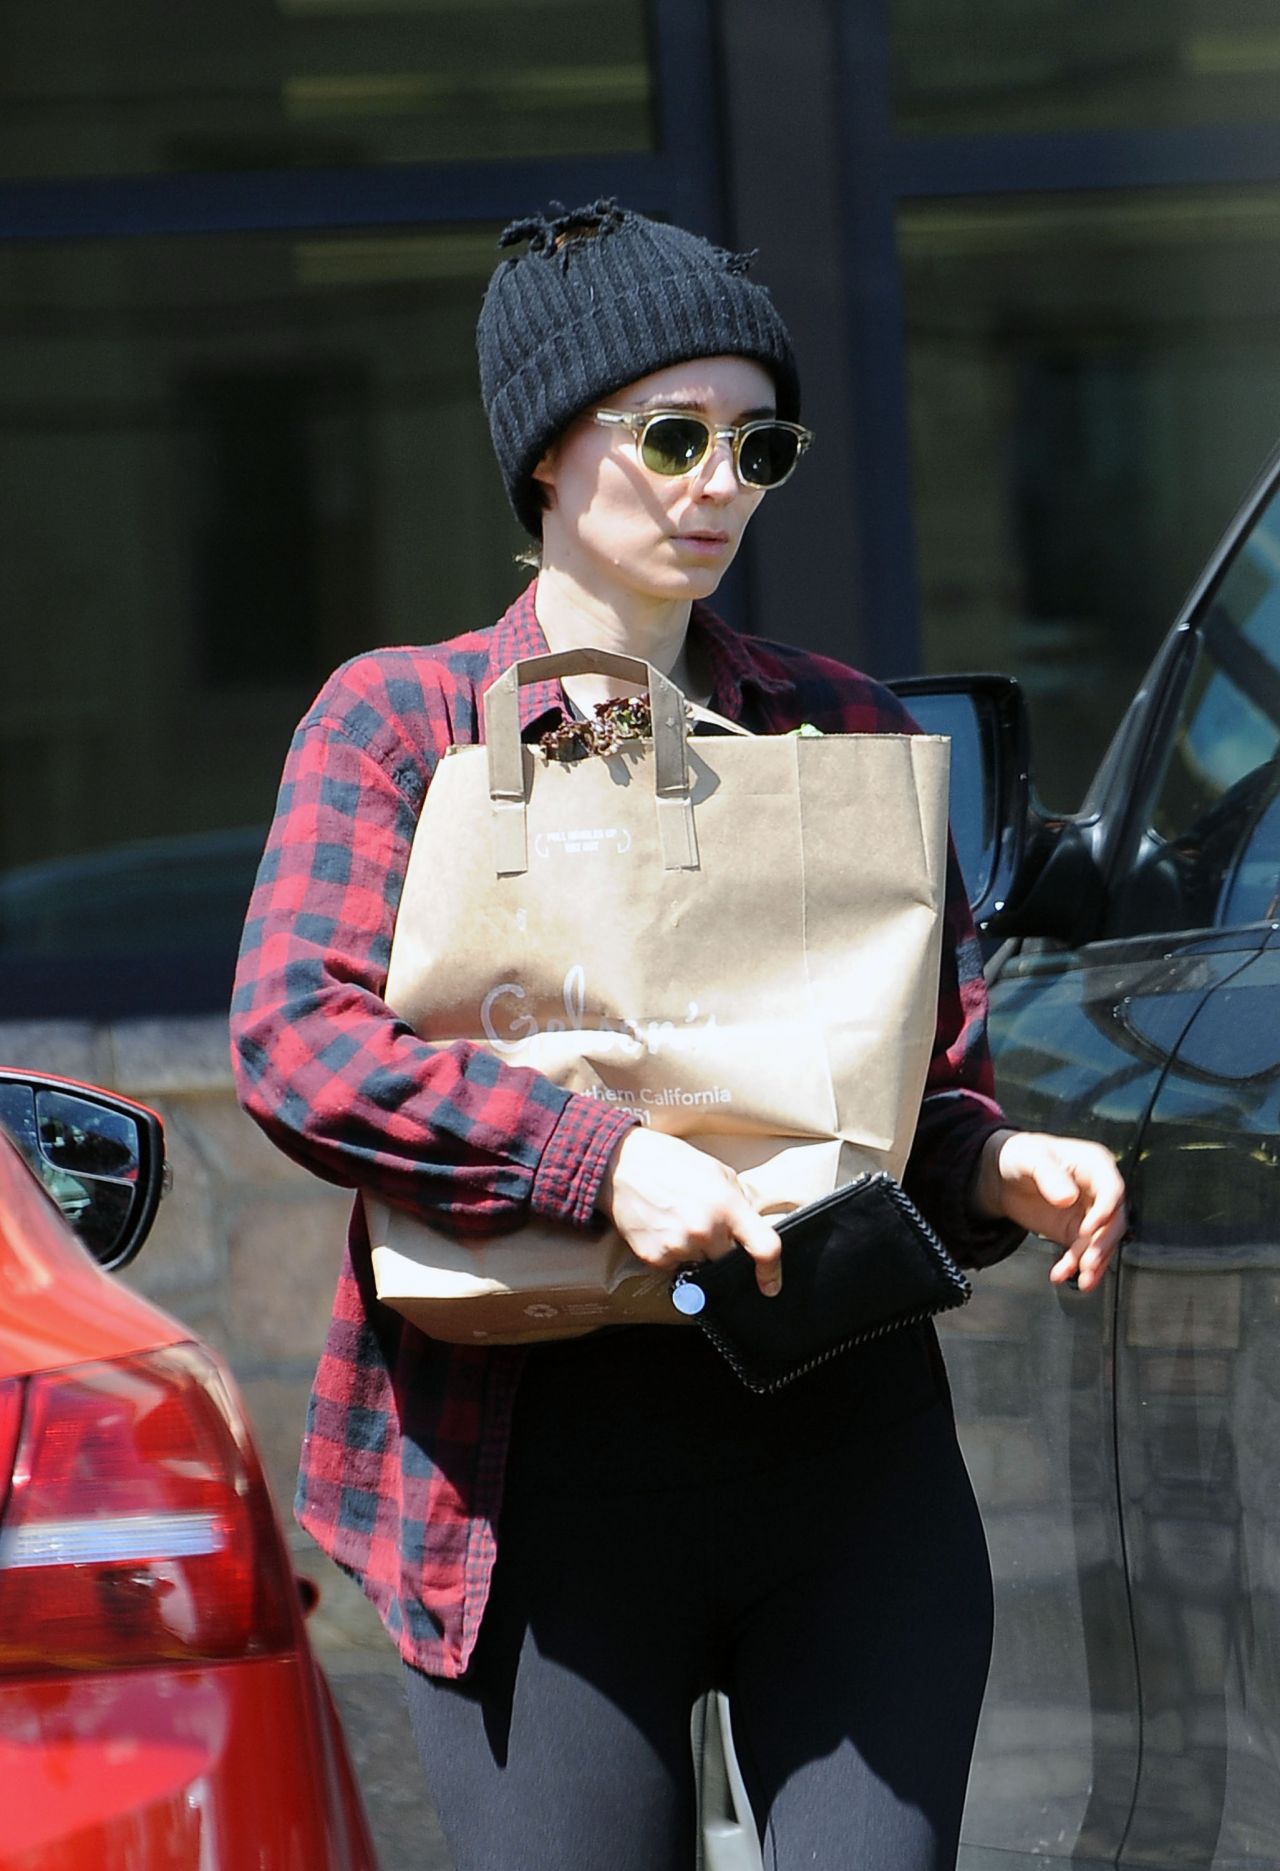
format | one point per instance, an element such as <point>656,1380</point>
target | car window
<point>1210,853</point>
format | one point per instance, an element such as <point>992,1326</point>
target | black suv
<point>1125,1445</point>
<point>1122,1445</point>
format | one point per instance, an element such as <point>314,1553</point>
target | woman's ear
<point>545,476</point>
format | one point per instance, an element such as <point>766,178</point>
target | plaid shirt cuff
<point>567,1182</point>
<point>953,1128</point>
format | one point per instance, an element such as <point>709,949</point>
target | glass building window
<point>229,463</point>
<point>1093,382</point>
<point>1038,65</point>
<point>233,459</point>
<point>143,86</point>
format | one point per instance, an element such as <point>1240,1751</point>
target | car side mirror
<point>1026,873</point>
<point>985,718</point>
<point>99,1156</point>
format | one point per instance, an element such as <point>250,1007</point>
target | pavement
<point>386,1762</point>
<point>364,1673</point>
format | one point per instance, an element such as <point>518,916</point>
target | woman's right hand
<point>673,1204</point>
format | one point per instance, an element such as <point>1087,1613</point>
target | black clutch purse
<point>855,1264</point>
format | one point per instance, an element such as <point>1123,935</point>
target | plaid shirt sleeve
<point>334,1078</point>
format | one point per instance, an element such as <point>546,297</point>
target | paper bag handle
<point>506,752</point>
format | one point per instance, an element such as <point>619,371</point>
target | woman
<point>570,1544</point>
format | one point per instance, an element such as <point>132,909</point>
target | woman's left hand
<point>1064,1188</point>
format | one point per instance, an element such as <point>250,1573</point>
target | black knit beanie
<point>600,297</point>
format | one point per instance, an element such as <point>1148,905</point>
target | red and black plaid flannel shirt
<point>406,1438</point>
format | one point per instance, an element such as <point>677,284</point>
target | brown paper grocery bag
<point>735,937</point>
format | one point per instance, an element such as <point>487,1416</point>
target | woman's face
<point>611,522</point>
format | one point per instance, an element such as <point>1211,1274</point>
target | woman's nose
<point>719,477</point>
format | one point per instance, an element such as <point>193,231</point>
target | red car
<point>160,1706</point>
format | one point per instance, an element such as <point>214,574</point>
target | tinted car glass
<point>1210,854</point>
<point>973,810</point>
<point>86,1155</point>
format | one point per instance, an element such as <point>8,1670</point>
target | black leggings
<point>840,1594</point>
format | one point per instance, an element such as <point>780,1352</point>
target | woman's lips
<point>704,541</point>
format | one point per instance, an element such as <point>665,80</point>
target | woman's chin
<point>670,585</point>
<point>692,577</point>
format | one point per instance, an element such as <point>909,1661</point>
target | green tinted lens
<point>768,454</point>
<point>674,444</point>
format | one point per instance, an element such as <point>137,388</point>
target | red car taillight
<point>10,1417</point>
<point>138,1527</point>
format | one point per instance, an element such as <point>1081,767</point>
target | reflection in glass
<point>1198,1385</point>
<point>98,1211</point>
<point>86,1138</point>
<point>18,1118</point>
<point>972,808</point>
<point>1087,406</point>
<point>87,1157</point>
<point>229,464</point>
<point>319,84</point>
<point>1211,839</point>
<point>1010,65</point>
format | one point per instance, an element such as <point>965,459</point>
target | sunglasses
<point>671,441</point>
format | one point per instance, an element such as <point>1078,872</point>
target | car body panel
<point>1032,1375</point>
<point>57,1307</point>
<point>1198,1393</point>
<point>1084,1042</point>
<point>167,1770</point>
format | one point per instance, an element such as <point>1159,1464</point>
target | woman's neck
<point>573,618</point>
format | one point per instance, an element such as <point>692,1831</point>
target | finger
<point>1086,1259</point>
<point>1106,1210</point>
<point>764,1244</point>
<point>1093,1266</point>
<point>1056,1183</point>
<point>1105,1218</point>
<point>1101,1251</point>
<point>1065,1268</point>
<point>1114,1228</point>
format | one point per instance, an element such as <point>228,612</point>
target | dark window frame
<point>881,170</point>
